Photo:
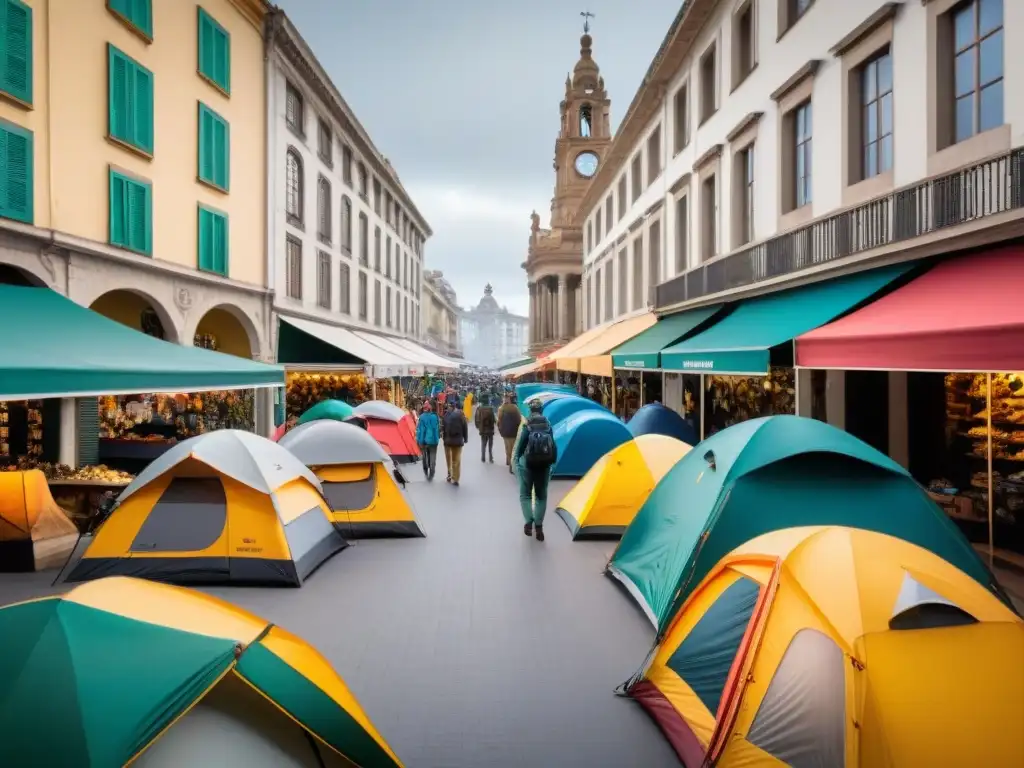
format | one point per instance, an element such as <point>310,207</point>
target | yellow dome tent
<point>124,671</point>
<point>840,647</point>
<point>606,499</point>
<point>224,507</point>
<point>35,534</point>
<point>353,469</point>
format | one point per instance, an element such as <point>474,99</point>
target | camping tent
<point>338,410</point>
<point>545,397</point>
<point>128,671</point>
<point>657,419</point>
<point>583,438</point>
<point>605,501</point>
<point>560,408</point>
<point>224,507</point>
<point>762,475</point>
<point>35,534</point>
<point>352,467</point>
<point>835,646</point>
<point>379,409</point>
<point>525,391</point>
<point>398,438</point>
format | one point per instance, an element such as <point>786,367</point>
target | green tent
<point>336,410</point>
<point>764,475</point>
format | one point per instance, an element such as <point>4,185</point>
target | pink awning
<point>965,314</point>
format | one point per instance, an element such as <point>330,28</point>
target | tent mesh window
<point>189,517</point>
<point>352,495</point>
<point>802,718</point>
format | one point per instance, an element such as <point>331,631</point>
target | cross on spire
<point>587,16</point>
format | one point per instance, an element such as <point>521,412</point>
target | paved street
<point>475,646</point>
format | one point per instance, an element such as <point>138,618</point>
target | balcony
<point>971,193</point>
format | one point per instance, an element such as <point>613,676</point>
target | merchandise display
<point>100,474</point>
<point>21,430</point>
<point>731,400</point>
<point>304,390</point>
<point>163,417</point>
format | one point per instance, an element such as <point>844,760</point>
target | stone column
<point>533,309</point>
<point>563,307</point>
<point>546,313</point>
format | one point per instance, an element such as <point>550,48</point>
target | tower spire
<point>587,16</point>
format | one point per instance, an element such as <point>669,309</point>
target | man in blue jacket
<point>535,455</point>
<point>428,435</point>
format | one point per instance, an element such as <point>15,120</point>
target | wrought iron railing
<point>973,192</point>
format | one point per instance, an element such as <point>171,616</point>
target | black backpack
<point>540,446</point>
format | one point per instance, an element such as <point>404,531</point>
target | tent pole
<point>991,482</point>
<point>700,405</point>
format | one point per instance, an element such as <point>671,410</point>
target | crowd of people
<point>442,419</point>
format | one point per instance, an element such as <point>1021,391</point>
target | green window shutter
<point>214,148</point>
<point>138,13</point>
<point>213,241</point>
<point>131,214</point>
<point>16,53</point>
<point>88,418</point>
<point>130,100</point>
<point>214,52</point>
<point>16,173</point>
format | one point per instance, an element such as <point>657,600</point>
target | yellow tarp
<point>569,351</point>
<point>591,350</point>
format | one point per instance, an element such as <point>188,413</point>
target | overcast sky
<point>462,96</point>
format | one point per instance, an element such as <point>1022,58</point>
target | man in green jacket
<point>535,456</point>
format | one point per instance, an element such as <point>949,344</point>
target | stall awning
<point>384,362</point>
<point>740,343</point>
<point>522,370</point>
<point>516,364</point>
<point>962,315</point>
<point>568,350</point>
<point>431,358</point>
<point>643,351</point>
<point>52,347</point>
<point>612,336</point>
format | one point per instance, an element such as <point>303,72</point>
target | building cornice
<point>807,70</point>
<point>865,28</point>
<point>283,37</point>
<point>674,49</point>
<point>254,11</point>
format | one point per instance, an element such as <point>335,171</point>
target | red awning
<point>966,314</point>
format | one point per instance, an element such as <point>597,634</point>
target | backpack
<point>540,446</point>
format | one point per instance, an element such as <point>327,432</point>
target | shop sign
<point>703,365</point>
<point>634,363</point>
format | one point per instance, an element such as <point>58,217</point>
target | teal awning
<point>516,364</point>
<point>740,342</point>
<point>644,350</point>
<point>52,347</point>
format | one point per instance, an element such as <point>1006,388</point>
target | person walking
<point>509,419</point>
<point>484,420</point>
<point>455,433</point>
<point>535,456</point>
<point>428,435</point>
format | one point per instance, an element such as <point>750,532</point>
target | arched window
<point>346,224</point>
<point>586,121</point>
<point>293,187</point>
<point>323,210</point>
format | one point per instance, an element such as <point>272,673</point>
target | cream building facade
<point>346,241</point>
<point>773,142</point>
<point>440,315</point>
<point>492,336</point>
<point>134,164</point>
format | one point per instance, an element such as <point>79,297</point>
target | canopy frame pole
<point>663,389</point>
<point>613,393</point>
<point>641,389</point>
<point>701,407</point>
<point>579,375</point>
<point>991,481</point>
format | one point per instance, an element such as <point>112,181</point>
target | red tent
<point>398,438</point>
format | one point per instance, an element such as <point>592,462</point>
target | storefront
<point>955,338</point>
<point>745,357</point>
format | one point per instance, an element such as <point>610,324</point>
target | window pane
<point>869,80</point>
<point>885,120</point>
<point>885,154</point>
<point>964,69</point>
<point>884,73</point>
<point>871,122</point>
<point>991,112</point>
<point>991,58</point>
<point>870,160</point>
<point>965,117</point>
<point>807,121</point>
<point>963,27</point>
<point>990,16</point>
<point>799,165</point>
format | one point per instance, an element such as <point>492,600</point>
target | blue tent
<point>657,419</point>
<point>525,391</point>
<point>583,438</point>
<point>560,408</point>
<point>545,396</point>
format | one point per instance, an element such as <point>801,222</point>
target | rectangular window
<point>364,240</point>
<point>16,173</point>
<point>214,52</point>
<point>654,254</point>
<point>744,195</point>
<point>654,155</point>
<point>213,241</point>
<point>293,267</point>
<point>387,257</point>
<point>346,165</point>
<point>622,278</point>
<point>387,208</point>
<point>325,143</point>
<point>376,196</point>
<point>344,297</point>
<point>16,59</point>
<point>622,197</point>
<point>744,43</point>
<point>636,173</point>
<point>398,263</point>
<point>708,83</point>
<point>323,210</point>
<point>137,14</point>
<point>638,273</point>
<point>609,214</point>
<point>131,213</point>
<point>376,249</point>
<point>589,238</point>
<point>323,280</point>
<point>214,149</point>
<point>876,115</point>
<point>608,291</point>
<point>709,218</point>
<point>294,110</point>
<point>598,234</point>
<point>129,101</point>
<point>681,118</point>
<point>376,302</point>
<point>802,154</point>
<point>594,311</point>
<point>363,296</point>
<point>387,306</point>
<point>978,62</point>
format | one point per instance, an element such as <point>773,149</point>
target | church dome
<point>488,302</point>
